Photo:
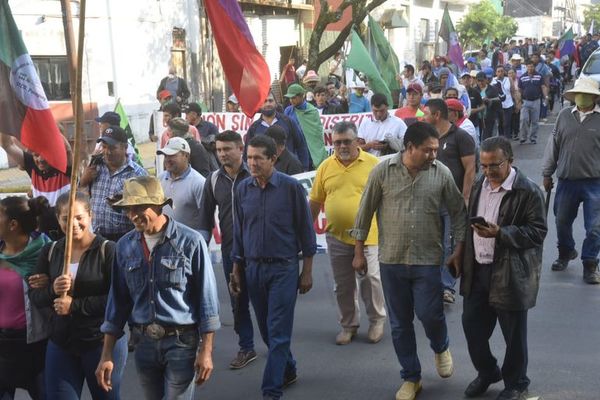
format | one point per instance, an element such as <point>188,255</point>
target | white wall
<point>137,59</point>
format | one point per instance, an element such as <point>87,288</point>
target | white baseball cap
<point>174,146</point>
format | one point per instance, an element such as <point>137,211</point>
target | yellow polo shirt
<point>340,189</point>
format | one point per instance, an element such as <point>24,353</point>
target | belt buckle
<point>155,331</point>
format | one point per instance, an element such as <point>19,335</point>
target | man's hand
<point>89,175</point>
<point>38,281</point>
<point>203,366</point>
<point>62,305</point>
<point>375,145</point>
<point>548,184</point>
<point>455,260</point>
<point>359,263</point>
<point>305,283</point>
<point>235,280</point>
<point>62,284</point>
<point>489,231</point>
<point>103,374</point>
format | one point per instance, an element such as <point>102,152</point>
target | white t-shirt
<point>152,240</point>
<point>468,127</point>
<point>73,268</point>
<point>391,129</point>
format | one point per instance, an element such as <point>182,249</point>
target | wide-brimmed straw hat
<point>583,85</point>
<point>142,190</point>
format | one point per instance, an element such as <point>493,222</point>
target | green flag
<point>360,60</point>
<point>127,128</point>
<point>385,57</point>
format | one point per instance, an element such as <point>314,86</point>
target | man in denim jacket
<point>163,283</point>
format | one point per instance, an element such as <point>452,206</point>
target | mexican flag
<point>23,104</point>
<point>450,36</point>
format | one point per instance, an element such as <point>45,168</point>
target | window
<point>592,66</point>
<point>54,75</point>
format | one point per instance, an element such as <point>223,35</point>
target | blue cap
<point>471,59</point>
<point>489,72</point>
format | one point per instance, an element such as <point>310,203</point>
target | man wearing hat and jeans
<point>572,153</point>
<point>163,283</point>
<point>105,178</point>
<point>181,183</point>
<point>309,120</point>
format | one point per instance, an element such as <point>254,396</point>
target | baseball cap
<point>233,99</point>
<point>294,90</point>
<point>109,117</point>
<point>489,72</point>
<point>113,135</point>
<point>481,76</point>
<point>173,146</point>
<point>415,87</point>
<point>163,94</point>
<point>195,107</point>
<point>471,60</point>
<point>465,73</point>
<point>474,73</point>
<point>454,105</point>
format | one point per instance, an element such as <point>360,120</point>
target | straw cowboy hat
<point>311,76</point>
<point>141,190</point>
<point>582,85</point>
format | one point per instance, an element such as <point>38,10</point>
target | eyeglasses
<point>345,142</point>
<point>492,166</point>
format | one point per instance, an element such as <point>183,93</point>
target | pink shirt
<point>167,135</point>
<point>488,208</point>
<point>12,299</point>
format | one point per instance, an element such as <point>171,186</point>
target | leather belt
<point>270,260</point>
<point>157,331</point>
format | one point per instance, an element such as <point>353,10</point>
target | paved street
<point>563,335</point>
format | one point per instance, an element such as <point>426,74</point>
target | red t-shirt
<point>409,115</point>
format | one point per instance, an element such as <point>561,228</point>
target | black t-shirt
<point>454,145</point>
<point>476,102</point>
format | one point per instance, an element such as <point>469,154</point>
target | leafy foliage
<point>589,14</point>
<point>482,23</point>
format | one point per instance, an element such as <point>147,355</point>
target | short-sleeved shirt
<point>340,189</point>
<point>457,143</point>
<point>531,86</point>
<point>186,193</point>
<point>50,183</point>
<point>390,128</point>
<point>409,115</point>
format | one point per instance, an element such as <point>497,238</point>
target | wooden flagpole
<point>76,68</point>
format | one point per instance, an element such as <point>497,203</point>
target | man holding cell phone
<point>501,268</point>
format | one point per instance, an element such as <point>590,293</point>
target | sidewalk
<point>17,180</point>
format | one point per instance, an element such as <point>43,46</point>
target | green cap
<point>294,90</point>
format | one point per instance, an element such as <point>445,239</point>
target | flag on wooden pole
<point>450,36</point>
<point>23,104</point>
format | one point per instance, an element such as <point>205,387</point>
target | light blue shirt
<point>186,193</point>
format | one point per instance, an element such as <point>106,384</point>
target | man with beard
<point>295,142</point>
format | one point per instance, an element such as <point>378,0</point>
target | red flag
<point>245,68</point>
<point>23,104</point>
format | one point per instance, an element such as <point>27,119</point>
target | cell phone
<point>478,221</point>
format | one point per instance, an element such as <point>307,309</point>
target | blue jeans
<point>165,367</point>
<point>569,195</point>
<point>448,281</point>
<point>273,289</point>
<point>66,372</point>
<point>411,289</point>
<point>241,316</point>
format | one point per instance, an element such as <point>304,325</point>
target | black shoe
<point>289,378</point>
<point>480,384</point>
<point>590,272</point>
<point>522,141</point>
<point>512,394</point>
<point>533,141</point>
<point>562,261</point>
<point>515,138</point>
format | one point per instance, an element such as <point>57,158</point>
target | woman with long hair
<point>23,327</point>
<point>78,300</point>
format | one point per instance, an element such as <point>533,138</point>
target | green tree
<point>482,23</point>
<point>329,15</point>
<point>590,14</point>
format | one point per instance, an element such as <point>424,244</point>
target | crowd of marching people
<point>140,282</point>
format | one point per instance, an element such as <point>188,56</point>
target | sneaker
<point>345,336</point>
<point>522,141</point>
<point>375,333</point>
<point>290,377</point>
<point>513,394</point>
<point>443,364</point>
<point>409,390</point>
<point>449,296</point>
<point>561,263</point>
<point>242,359</point>
<point>590,272</point>
<point>533,141</point>
<point>515,138</point>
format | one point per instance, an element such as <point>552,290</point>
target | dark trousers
<point>507,114</point>
<point>240,307</point>
<point>515,123</point>
<point>273,289</point>
<point>479,320</point>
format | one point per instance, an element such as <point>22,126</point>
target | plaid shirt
<point>408,212</point>
<point>105,219</point>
